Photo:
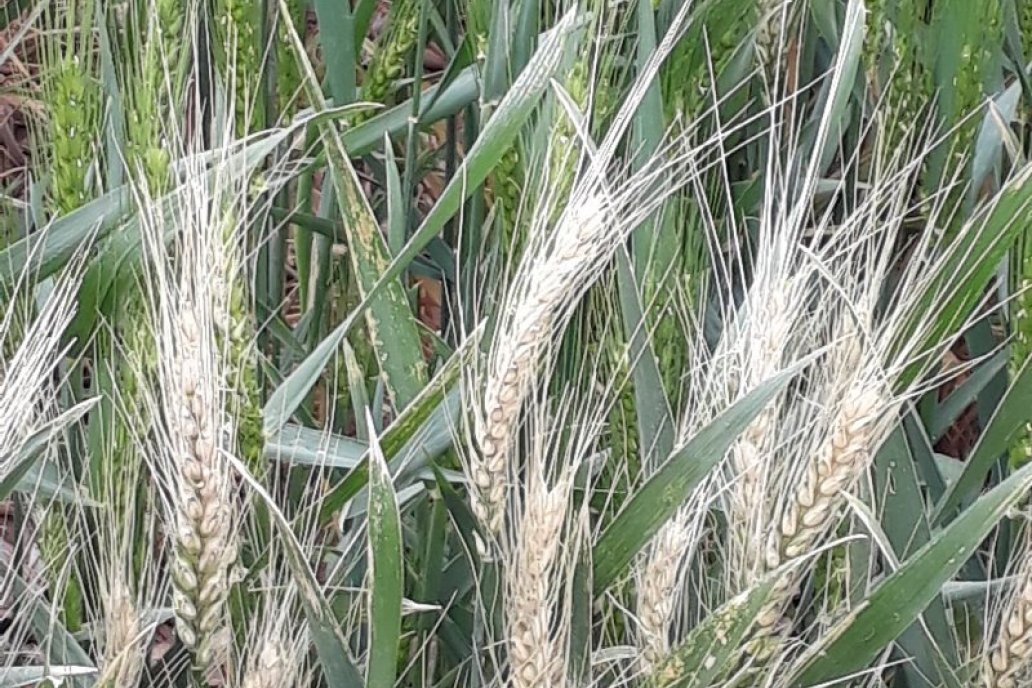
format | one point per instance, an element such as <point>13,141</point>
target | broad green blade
<point>61,647</point>
<point>947,412</point>
<point>1011,416</point>
<point>853,643</point>
<point>710,649</point>
<point>392,325</point>
<point>929,647</point>
<point>652,408</point>
<point>330,643</point>
<point>385,570</point>
<point>665,491</point>
<point>958,280</point>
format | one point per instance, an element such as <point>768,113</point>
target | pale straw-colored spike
<point>205,547</point>
<point>556,272</point>
<point>273,667</point>
<point>534,652</point>
<point>124,652</point>
<point>1009,659</point>
<point>657,590</point>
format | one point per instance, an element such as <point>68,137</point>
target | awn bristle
<point>205,547</point>
<point>1008,662</point>
<point>534,652</point>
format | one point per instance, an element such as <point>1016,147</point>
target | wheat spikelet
<point>239,25</point>
<point>74,100</point>
<point>760,346</point>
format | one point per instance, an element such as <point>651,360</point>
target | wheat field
<point>516,343</point>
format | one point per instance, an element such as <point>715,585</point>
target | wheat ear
<point>544,288</point>
<point>814,506</point>
<point>204,541</point>
<point>1008,661</point>
<point>194,434</point>
<point>272,668</point>
<point>123,660</point>
<point>533,652</point>
<point>657,590</point>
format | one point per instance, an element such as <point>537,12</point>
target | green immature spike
<point>239,30</point>
<point>507,184</point>
<point>391,53</point>
<point>154,84</point>
<point>236,334</point>
<point>978,57</point>
<point>288,75</point>
<point>1021,344</point>
<point>894,61</point>
<point>74,102</point>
